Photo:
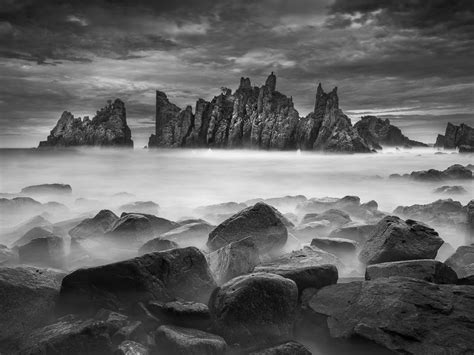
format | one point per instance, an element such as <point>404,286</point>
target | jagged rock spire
<point>271,82</point>
<point>245,83</point>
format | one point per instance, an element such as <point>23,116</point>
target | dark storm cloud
<point>383,55</point>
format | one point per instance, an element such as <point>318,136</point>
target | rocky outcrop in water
<point>253,117</point>
<point>107,128</point>
<point>461,137</point>
<point>378,132</point>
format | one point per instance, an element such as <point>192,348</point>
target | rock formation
<point>378,132</point>
<point>461,137</point>
<point>253,117</point>
<point>107,128</point>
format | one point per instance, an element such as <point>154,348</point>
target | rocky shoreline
<point>238,278</point>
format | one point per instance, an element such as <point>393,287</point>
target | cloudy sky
<point>409,60</point>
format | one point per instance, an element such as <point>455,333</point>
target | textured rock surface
<point>178,340</point>
<point>107,128</point>
<point>394,240</point>
<point>425,269</point>
<point>233,260</point>
<point>28,297</point>
<point>378,132</point>
<point>456,136</point>
<point>462,261</point>
<point>261,222</point>
<point>180,313</point>
<point>190,234</point>
<point>288,348</point>
<point>161,276</point>
<point>454,172</point>
<point>157,244</point>
<point>337,246</point>
<point>253,117</point>
<point>97,226</point>
<point>255,309</point>
<point>405,315</point>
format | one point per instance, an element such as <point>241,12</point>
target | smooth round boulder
<point>256,309</point>
<point>157,244</point>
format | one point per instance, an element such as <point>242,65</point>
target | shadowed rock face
<point>456,137</point>
<point>255,117</point>
<point>378,132</point>
<point>107,128</point>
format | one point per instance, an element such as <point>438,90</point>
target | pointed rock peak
<point>271,82</point>
<point>189,108</point>
<point>161,95</point>
<point>245,83</point>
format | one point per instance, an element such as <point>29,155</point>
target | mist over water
<point>180,180</point>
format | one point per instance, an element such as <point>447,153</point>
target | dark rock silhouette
<point>107,128</point>
<point>378,132</point>
<point>461,137</point>
<point>253,117</point>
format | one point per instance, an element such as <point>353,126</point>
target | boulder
<point>233,260</point>
<point>456,137</point>
<point>183,314</point>
<point>178,340</point>
<point>394,240</point>
<point>450,190</point>
<point>337,246</point>
<point>12,234</point>
<point>33,233</point>
<point>107,128</point>
<point>97,226</point>
<point>288,348</point>
<point>134,227</point>
<point>454,172</point>
<point>462,260</point>
<point>47,189</point>
<point>28,297</point>
<point>46,252</point>
<point>157,244</point>
<point>425,269</point>
<point>261,222</point>
<point>149,207</point>
<point>71,336</point>
<point>405,315</point>
<point>255,309</point>
<point>354,231</point>
<point>164,275</point>
<point>191,234</point>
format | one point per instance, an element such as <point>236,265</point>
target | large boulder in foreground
<point>233,260</point>
<point>255,309</point>
<point>97,226</point>
<point>177,340</point>
<point>402,314</point>
<point>261,222</point>
<point>428,270</point>
<point>176,273</point>
<point>28,297</point>
<point>394,240</point>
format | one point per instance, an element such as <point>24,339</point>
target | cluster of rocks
<point>249,284</point>
<point>255,117</point>
<point>454,172</point>
<point>379,132</point>
<point>461,137</point>
<point>107,128</point>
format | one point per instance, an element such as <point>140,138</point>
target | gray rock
<point>450,190</point>
<point>337,246</point>
<point>107,128</point>
<point>402,314</point>
<point>178,340</point>
<point>34,233</point>
<point>46,252</point>
<point>183,314</point>
<point>462,261</point>
<point>394,240</point>
<point>233,260</point>
<point>255,309</point>
<point>454,172</point>
<point>97,226</point>
<point>425,269</point>
<point>261,222</point>
<point>47,189</point>
<point>165,275</point>
<point>129,347</point>
<point>355,231</point>
<point>191,234</point>
<point>456,136</point>
<point>28,297</point>
<point>157,244</point>
<point>288,348</point>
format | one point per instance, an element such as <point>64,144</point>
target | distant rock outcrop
<point>253,117</point>
<point>461,137</point>
<point>378,132</point>
<point>107,128</point>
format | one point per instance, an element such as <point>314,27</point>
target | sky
<point>407,60</point>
